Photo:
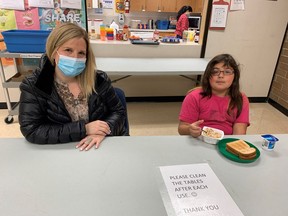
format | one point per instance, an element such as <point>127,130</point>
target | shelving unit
<point>9,82</point>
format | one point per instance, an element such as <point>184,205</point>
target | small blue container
<point>269,142</point>
<point>162,24</point>
<point>25,41</point>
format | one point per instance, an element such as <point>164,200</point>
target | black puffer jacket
<point>44,119</point>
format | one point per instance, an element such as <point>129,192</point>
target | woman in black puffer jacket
<point>65,100</point>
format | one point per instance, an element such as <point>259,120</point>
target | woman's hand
<point>97,128</point>
<point>89,141</point>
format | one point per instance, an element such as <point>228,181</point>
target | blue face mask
<point>71,66</point>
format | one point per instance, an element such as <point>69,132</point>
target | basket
<point>162,24</point>
<point>25,41</point>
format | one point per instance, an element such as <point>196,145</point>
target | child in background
<point>182,20</point>
<point>218,103</point>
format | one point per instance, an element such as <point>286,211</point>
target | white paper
<point>12,4</point>
<point>108,4</point>
<point>73,4</point>
<point>41,3</point>
<point>237,5</point>
<point>219,16</point>
<point>196,190</point>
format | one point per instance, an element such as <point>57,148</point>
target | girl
<point>182,20</point>
<point>218,103</point>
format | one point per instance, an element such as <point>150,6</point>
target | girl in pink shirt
<point>218,103</point>
<point>182,20</point>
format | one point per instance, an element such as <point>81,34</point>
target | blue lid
<point>270,137</point>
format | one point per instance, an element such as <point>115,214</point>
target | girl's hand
<point>195,129</point>
<point>97,128</point>
<point>89,141</point>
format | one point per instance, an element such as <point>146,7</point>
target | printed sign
<point>119,6</point>
<point>50,18</point>
<point>195,190</point>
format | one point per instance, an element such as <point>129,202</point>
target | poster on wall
<point>7,20</point>
<point>28,19</point>
<point>41,3</point>
<point>119,6</point>
<point>75,4</point>
<point>107,4</point>
<point>12,4</point>
<point>50,18</point>
<point>42,18</point>
<point>219,15</point>
<point>237,5</point>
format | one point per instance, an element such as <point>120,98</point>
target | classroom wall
<point>254,38</point>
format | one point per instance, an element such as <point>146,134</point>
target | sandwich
<point>241,149</point>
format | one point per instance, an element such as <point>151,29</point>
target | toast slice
<point>237,145</point>
<point>247,154</point>
<point>241,149</point>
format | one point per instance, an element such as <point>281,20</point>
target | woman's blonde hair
<point>60,35</point>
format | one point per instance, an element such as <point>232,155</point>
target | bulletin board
<point>39,15</point>
<point>44,17</point>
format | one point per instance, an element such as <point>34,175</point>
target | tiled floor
<point>149,118</point>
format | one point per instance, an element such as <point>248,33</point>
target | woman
<point>66,100</point>
<point>182,20</point>
<point>218,103</point>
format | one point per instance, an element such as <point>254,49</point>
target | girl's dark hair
<point>234,90</point>
<point>183,10</point>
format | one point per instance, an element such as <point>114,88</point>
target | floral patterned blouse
<point>76,107</point>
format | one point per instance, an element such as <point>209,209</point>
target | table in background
<point>125,67</point>
<point>153,66</point>
<point>120,178</point>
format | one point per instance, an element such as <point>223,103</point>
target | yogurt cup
<point>269,142</point>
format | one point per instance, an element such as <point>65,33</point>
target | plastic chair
<point>121,95</point>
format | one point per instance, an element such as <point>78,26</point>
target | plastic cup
<point>269,142</point>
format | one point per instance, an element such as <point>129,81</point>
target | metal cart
<point>10,81</point>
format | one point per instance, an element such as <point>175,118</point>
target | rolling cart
<point>14,81</point>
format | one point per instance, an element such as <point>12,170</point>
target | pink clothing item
<point>213,111</point>
<point>182,24</point>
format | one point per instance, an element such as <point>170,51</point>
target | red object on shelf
<point>127,6</point>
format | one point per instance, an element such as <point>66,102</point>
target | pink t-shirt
<point>213,111</point>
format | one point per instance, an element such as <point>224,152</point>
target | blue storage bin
<point>25,41</point>
<point>162,24</point>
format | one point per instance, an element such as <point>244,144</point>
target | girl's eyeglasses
<point>217,72</point>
